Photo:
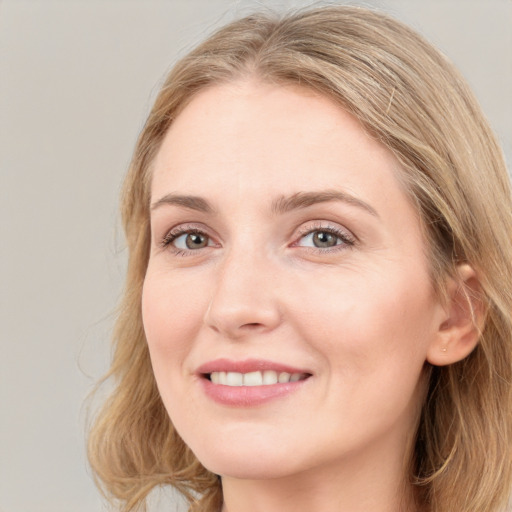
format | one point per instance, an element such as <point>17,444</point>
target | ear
<point>460,329</point>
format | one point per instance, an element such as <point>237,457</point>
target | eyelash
<point>347,239</point>
<point>175,233</point>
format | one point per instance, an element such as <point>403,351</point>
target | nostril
<point>253,325</point>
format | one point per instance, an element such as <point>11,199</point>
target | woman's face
<point>287,303</point>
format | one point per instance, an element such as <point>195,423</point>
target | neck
<point>354,486</point>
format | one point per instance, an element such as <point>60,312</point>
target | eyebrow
<point>190,202</point>
<point>300,200</point>
<point>282,204</point>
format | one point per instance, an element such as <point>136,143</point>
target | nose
<point>245,299</point>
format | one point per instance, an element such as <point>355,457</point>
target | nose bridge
<point>243,298</point>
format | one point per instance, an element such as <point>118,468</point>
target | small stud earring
<point>444,349</point>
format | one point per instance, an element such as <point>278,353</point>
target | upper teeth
<point>257,378</point>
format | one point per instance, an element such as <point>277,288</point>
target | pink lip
<point>246,366</point>
<point>246,396</point>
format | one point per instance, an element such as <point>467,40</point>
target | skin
<point>361,316</point>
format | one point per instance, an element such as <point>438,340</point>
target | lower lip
<point>248,396</point>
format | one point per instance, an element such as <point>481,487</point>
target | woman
<point>317,311</point>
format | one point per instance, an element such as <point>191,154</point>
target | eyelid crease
<point>335,228</point>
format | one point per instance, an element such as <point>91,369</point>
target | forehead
<point>250,138</point>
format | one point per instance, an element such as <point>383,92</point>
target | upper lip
<point>246,366</point>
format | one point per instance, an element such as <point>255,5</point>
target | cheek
<point>171,318</point>
<point>370,326</point>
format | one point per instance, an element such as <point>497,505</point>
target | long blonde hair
<point>411,98</point>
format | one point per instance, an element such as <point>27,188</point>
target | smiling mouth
<point>251,382</point>
<point>255,378</point>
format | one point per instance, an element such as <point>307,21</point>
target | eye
<point>183,240</point>
<point>191,241</point>
<point>320,239</point>
<point>325,238</point>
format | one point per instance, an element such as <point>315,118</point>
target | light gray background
<point>76,81</point>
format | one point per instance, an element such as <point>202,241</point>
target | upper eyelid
<point>318,225</point>
<point>184,227</point>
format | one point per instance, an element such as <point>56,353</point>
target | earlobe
<point>460,329</point>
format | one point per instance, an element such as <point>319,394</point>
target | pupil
<point>324,239</point>
<point>196,241</point>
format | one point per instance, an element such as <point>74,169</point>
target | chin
<point>246,469</point>
<point>252,462</point>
